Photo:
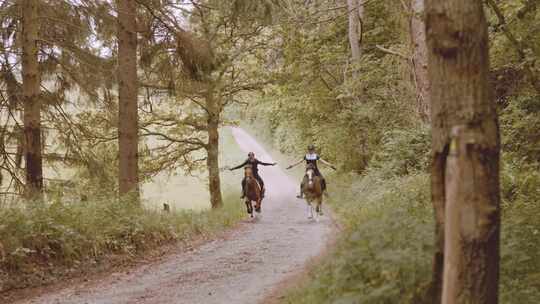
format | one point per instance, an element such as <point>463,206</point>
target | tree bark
<point>356,13</point>
<point>420,75</point>
<point>212,148</point>
<point>465,173</point>
<point>32,104</point>
<point>419,58</point>
<point>127,91</point>
<point>438,167</point>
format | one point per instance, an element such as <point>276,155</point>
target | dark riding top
<point>312,158</point>
<point>253,163</point>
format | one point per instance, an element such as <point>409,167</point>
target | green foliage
<point>513,42</point>
<point>520,250</point>
<point>520,122</point>
<point>403,151</point>
<point>384,253</point>
<point>346,129</point>
<point>362,117</point>
<point>319,97</point>
<point>42,242</point>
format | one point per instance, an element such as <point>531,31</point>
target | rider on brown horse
<point>253,162</point>
<point>311,158</point>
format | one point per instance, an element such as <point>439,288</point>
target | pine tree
<point>31,99</point>
<point>127,91</point>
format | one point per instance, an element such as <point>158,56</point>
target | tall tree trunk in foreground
<point>356,13</point>
<point>32,104</point>
<point>419,58</point>
<point>212,160</point>
<point>465,147</point>
<point>127,91</point>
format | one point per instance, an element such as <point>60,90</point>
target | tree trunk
<point>420,75</point>
<point>465,173</point>
<point>438,167</point>
<point>419,58</point>
<point>356,13</point>
<point>212,160</point>
<point>127,91</point>
<point>32,104</point>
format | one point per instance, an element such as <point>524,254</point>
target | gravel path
<point>242,267</point>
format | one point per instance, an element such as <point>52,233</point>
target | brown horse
<point>312,188</point>
<point>253,191</point>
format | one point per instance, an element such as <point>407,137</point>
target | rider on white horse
<point>311,158</point>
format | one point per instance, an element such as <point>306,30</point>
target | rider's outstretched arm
<point>265,164</point>
<point>239,166</point>
<point>327,163</point>
<point>295,164</point>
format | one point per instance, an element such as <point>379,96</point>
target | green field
<point>183,191</point>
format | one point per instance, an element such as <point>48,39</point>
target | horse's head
<point>310,173</point>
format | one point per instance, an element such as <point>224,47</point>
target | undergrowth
<point>39,243</point>
<point>384,253</point>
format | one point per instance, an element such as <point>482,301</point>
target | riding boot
<point>263,190</point>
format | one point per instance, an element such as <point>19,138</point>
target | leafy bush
<point>403,151</point>
<point>520,252</point>
<point>384,253</point>
<point>520,122</point>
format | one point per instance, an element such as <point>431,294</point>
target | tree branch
<point>392,52</point>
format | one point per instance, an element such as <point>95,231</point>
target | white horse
<point>313,194</point>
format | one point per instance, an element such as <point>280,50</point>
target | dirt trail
<point>242,267</point>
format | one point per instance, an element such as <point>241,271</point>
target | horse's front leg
<point>258,205</point>
<point>309,210</point>
<point>319,206</point>
<point>249,207</point>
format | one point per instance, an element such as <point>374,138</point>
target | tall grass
<point>384,253</point>
<point>41,242</point>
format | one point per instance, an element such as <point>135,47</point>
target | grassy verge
<point>384,253</point>
<point>43,243</point>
